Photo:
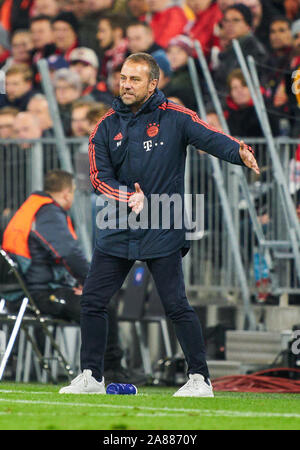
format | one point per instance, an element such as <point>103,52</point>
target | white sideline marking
<point>166,410</point>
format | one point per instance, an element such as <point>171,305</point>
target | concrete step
<point>221,368</point>
<point>253,347</point>
<point>274,318</point>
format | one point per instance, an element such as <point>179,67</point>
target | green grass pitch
<point>40,407</point>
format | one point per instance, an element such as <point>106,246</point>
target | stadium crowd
<point>86,41</point>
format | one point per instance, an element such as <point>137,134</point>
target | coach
<point>138,149</point>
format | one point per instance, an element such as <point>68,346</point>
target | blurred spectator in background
<point>280,37</point>
<point>42,37</point>
<point>4,46</point>
<point>78,7</point>
<point>140,38</point>
<point>237,23</point>
<point>94,114</point>
<point>112,42</point>
<point>178,52</point>
<point>68,88</point>
<point>18,87</point>
<point>291,9</point>
<point>166,21</point>
<point>89,23</point>
<point>137,8</point>
<point>65,29</point>
<point>202,28</point>
<point>165,71</point>
<point>38,106</point>
<point>240,112</point>
<point>27,126</point>
<point>85,62</point>
<point>7,119</point>
<point>79,121</point>
<point>46,7</point>
<point>21,47</point>
<point>223,4</point>
<point>113,81</point>
<point>263,12</point>
<point>14,14</point>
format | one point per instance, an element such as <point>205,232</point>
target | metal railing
<point>211,266</point>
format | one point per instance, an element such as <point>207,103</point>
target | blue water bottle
<point>121,389</point>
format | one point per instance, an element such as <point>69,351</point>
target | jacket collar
<point>156,99</point>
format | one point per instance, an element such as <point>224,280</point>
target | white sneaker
<point>195,387</point>
<point>84,383</point>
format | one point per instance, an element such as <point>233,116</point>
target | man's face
<point>68,194</point>
<point>135,86</point>
<point>105,34</point>
<point>39,108</point>
<point>21,45</point>
<point>139,38</point>
<point>26,127</point>
<point>280,35</point>
<point>235,25</point>
<point>46,7</point>
<point>16,86</point>
<point>79,122</point>
<point>63,34</point>
<point>41,32</point>
<point>65,92</point>
<point>7,126</point>
<point>137,7</point>
<point>87,73</point>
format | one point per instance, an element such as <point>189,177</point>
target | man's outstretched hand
<point>248,158</point>
<point>136,201</point>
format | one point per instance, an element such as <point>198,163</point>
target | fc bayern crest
<point>152,129</point>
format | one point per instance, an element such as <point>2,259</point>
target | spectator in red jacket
<point>207,16</point>
<point>166,21</point>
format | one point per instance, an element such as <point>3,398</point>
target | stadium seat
<point>24,321</point>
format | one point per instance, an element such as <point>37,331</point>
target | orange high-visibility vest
<point>16,234</point>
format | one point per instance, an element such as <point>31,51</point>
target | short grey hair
<point>68,75</point>
<point>148,59</point>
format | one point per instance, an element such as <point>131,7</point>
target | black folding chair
<point>14,289</point>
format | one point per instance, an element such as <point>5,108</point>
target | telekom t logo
<point>147,145</point>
